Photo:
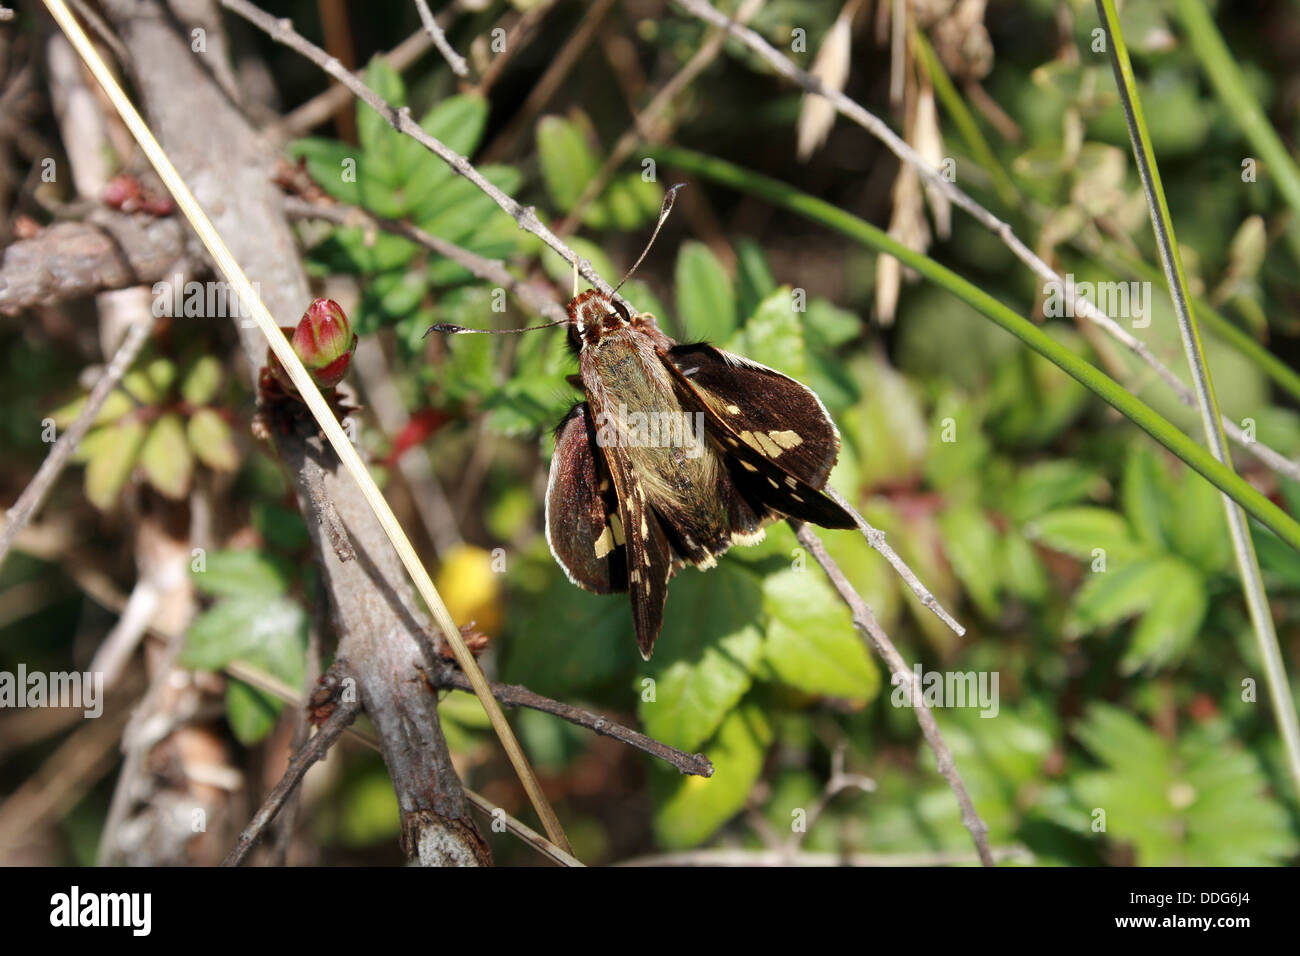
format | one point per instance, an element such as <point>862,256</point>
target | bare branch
<point>299,763</point>
<point>515,695</point>
<point>865,621</point>
<point>454,59</point>
<point>876,538</point>
<point>70,260</point>
<point>491,270</point>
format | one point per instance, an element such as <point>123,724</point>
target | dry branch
<point>865,621</point>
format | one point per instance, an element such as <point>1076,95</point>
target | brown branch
<point>70,260</point>
<point>454,59</point>
<point>372,607</point>
<point>33,496</point>
<point>302,760</point>
<point>491,270</point>
<point>515,695</point>
<point>865,621</point>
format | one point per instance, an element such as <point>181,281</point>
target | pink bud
<point>324,341</point>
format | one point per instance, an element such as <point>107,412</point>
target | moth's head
<point>592,314</point>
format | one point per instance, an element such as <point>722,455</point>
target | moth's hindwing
<point>579,502</point>
<point>776,436</point>
<point>649,558</point>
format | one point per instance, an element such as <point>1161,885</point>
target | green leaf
<point>201,380</point>
<point>165,457</point>
<point>706,305</point>
<point>1110,596</point>
<point>1146,494</point>
<point>1199,801</point>
<point>773,337</point>
<point>567,640</point>
<point>1198,529</point>
<point>690,809</point>
<point>568,161</point>
<point>381,142</point>
<point>333,166</point>
<point>211,439</point>
<point>242,572</point>
<point>706,654</point>
<point>971,544</point>
<point>250,713</point>
<point>1047,485</point>
<point>810,642</point>
<point>754,281</point>
<point>1079,531</point>
<point>1173,620</point>
<point>242,628</point>
<point>112,457</point>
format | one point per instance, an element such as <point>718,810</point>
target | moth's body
<point>624,377</point>
<point>624,515</point>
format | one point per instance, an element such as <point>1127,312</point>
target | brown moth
<point>678,452</point>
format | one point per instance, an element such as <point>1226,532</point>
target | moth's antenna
<point>575,279</point>
<point>664,210</point>
<point>450,329</point>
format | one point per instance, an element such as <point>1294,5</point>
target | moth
<point>678,452</point>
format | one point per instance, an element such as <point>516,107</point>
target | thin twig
<point>491,270</point>
<point>323,105</point>
<point>1207,404</point>
<point>645,126</point>
<point>934,178</point>
<point>299,763</point>
<point>864,619</point>
<point>277,688</point>
<point>515,695</point>
<point>876,538</point>
<point>770,858</point>
<point>33,496</point>
<point>454,59</point>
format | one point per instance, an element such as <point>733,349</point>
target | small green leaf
<point>211,440</point>
<point>1080,531</point>
<point>810,642</point>
<point>1108,597</point>
<point>690,808</point>
<point>250,713</point>
<point>568,161</point>
<point>201,380</point>
<point>704,660</point>
<point>165,457</point>
<point>242,628</point>
<point>971,543</point>
<point>754,281</point>
<point>706,305</point>
<point>773,337</point>
<point>1173,620</point>
<point>112,458</point>
<point>243,572</point>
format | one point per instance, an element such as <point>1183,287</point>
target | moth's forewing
<point>579,500</point>
<point>776,437</point>
<point>792,421</point>
<point>649,557</point>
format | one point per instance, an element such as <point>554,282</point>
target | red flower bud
<point>324,341</point>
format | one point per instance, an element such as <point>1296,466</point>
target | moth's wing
<point>649,559</point>
<point>776,436</point>
<point>579,502</point>
<point>786,418</point>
